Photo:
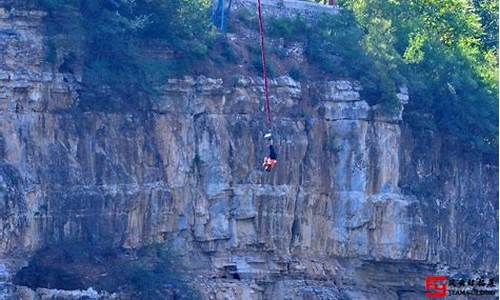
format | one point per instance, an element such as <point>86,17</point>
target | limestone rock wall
<point>342,202</point>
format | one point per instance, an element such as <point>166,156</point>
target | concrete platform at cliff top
<point>288,8</point>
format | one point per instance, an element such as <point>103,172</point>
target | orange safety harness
<point>269,163</point>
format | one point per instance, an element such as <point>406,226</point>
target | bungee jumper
<point>272,159</point>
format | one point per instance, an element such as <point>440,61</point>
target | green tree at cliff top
<point>447,51</point>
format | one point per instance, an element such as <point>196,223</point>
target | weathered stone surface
<point>344,202</point>
<point>358,110</point>
<point>341,90</point>
<point>25,293</point>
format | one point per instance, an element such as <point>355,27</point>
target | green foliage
<point>110,38</point>
<point>445,51</point>
<point>296,73</point>
<point>339,47</point>
<point>52,5</point>
<point>151,272</point>
<point>227,52</point>
<point>440,47</point>
<point>247,18</point>
<point>256,60</point>
<point>156,273</point>
<point>488,13</point>
<point>287,28</point>
<point>257,66</point>
<point>51,55</point>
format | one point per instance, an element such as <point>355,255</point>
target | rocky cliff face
<point>354,210</point>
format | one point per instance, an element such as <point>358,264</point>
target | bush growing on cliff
<point>288,28</point>
<point>155,273</point>
<point>111,40</point>
<point>334,44</point>
<point>296,73</point>
<point>151,272</point>
<point>257,66</point>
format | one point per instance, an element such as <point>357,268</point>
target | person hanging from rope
<point>272,159</point>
